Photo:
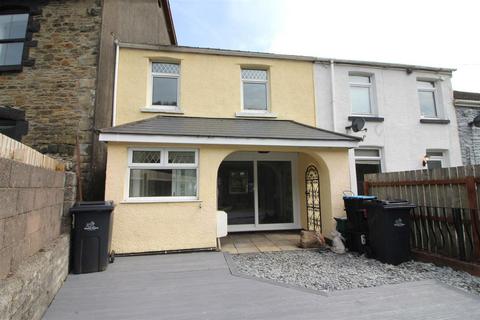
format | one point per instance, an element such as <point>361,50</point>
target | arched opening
<point>259,191</point>
<point>312,199</point>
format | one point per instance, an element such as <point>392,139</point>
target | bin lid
<point>396,204</point>
<point>359,197</point>
<point>88,206</point>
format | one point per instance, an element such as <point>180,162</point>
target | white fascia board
<point>116,137</point>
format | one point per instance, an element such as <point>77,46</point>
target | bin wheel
<point>111,258</point>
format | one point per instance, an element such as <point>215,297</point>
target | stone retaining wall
<point>34,237</point>
<point>28,293</point>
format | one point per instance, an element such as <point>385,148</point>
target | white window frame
<point>151,75</point>
<point>442,158</point>
<point>246,112</point>
<point>365,159</point>
<point>162,165</point>
<point>435,97</point>
<point>368,86</point>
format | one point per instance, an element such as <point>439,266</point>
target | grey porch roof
<point>227,128</point>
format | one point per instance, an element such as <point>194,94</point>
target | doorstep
<point>255,242</point>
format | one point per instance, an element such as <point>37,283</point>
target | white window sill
<point>162,109</point>
<point>157,200</point>
<point>250,114</point>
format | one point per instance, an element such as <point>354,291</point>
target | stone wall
<point>58,91</point>
<point>469,135</point>
<point>32,205</point>
<point>28,293</point>
<point>34,253</point>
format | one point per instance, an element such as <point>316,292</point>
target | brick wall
<point>469,135</point>
<point>32,200</point>
<point>58,91</point>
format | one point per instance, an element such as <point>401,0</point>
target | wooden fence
<point>446,220</point>
<point>12,149</point>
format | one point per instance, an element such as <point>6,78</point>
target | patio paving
<point>255,242</point>
<point>200,286</point>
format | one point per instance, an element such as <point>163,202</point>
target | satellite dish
<point>357,124</point>
<point>475,122</point>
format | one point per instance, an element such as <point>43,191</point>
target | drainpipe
<point>114,107</point>
<point>332,83</point>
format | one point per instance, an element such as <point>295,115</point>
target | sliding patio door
<point>275,202</point>
<point>257,194</point>
<point>236,192</point>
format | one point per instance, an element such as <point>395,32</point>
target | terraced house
<point>201,130</point>
<point>265,138</point>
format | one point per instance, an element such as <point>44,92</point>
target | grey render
<point>200,286</point>
<point>467,107</point>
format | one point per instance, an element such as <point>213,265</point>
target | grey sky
<point>437,33</point>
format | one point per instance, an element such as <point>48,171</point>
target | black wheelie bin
<point>357,225</point>
<point>92,231</point>
<point>389,230</point>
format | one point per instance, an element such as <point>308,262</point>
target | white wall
<point>401,137</point>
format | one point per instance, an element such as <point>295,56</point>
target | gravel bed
<point>325,270</point>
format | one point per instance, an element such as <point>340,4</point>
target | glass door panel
<point>236,192</point>
<point>275,201</point>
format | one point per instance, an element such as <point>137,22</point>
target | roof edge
<point>256,54</point>
<point>108,130</point>
<point>169,20</point>
<point>201,140</point>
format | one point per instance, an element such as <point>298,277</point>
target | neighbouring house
<point>200,130</point>
<point>408,112</point>
<point>467,107</point>
<point>56,65</point>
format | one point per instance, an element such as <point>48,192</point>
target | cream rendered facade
<point>210,86</point>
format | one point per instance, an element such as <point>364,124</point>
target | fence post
<point>472,201</point>
<point>366,187</point>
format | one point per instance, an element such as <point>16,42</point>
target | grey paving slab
<point>200,286</point>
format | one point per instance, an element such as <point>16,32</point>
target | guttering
<point>115,78</point>
<point>466,103</point>
<point>148,138</point>
<point>332,86</point>
<point>254,54</point>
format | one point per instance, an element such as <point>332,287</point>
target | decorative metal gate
<point>312,194</point>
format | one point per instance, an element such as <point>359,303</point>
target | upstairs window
<point>165,84</point>
<point>255,90</point>
<point>13,30</point>
<point>426,97</point>
<point>361,94</point>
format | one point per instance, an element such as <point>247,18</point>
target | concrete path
<point>200,286</point>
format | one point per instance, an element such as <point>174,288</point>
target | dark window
<point>363,168</point>
<point>13,31</point>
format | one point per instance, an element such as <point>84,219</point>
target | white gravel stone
<point>325,270</point>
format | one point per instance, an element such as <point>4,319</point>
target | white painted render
<point>402,139</point>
